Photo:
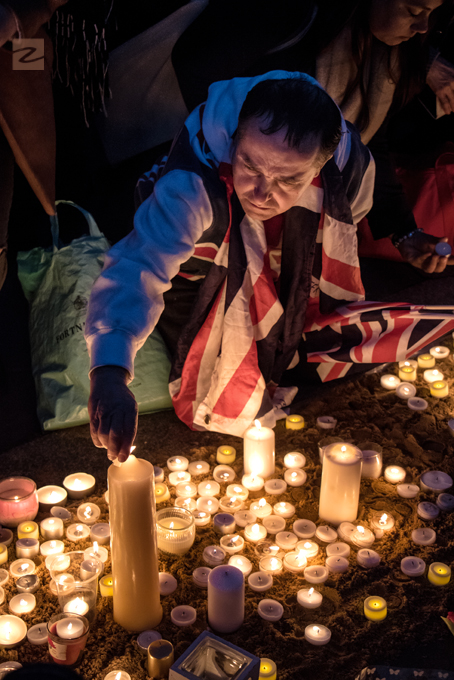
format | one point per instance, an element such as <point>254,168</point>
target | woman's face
<point>395,21</point>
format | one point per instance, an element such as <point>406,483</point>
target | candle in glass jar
<point>79,485</point>
<point>175,530</point>
<point>395,474</point>
<point>294,422</point>
<point>372,460</point>
<point>407,372</point>
<point>439,389</point>
<point>426,361</point>
<point>18,501</point>
<point>341,477</point>
<point>258,454</point>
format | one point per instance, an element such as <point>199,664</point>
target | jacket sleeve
<point>127,298</point>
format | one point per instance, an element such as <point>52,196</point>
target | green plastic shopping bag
<point>57,284</point>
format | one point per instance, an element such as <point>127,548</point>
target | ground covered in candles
<point>413,634</point>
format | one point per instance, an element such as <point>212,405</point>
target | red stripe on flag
<point>343,275</point>
<point>240,387</point>
<point>264,294</point>
<point>205,251</point>
<point>367,334</point>
<point>386,347</point>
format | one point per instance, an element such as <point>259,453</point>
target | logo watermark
<point>28,54</point>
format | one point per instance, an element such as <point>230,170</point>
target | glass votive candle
<point>286,540</point>
<point>79,485</point>
<point>295,561</point>
<point>18,501</point>
<point>214,555</point>
<point>237,490</point>
<point>274,524</point>
<point>309,598</point>
<point>53,547</point>
<point>224,474</point>
<point>208,504</point>
<point>389,381</point>
<point>304,528</point>
<point>175,530</point>
<point>161,492</point>
<point>177,463</point>
<point>226,455</point>
<point>232,543</point>
<point>407,372</point>
<point>439,574</point>
<point>372,460</point>
<point>201,518</point>
<point>432,374</point>
<point>26,547</point>
<point>255,532</point>
<point>261,508</point>
<point>283,509</point>
<point>310,548</point>
<point>439,352</point>
<point>12,631</point>
<point>21,604</point>
<point>198,467</point>
<point>77,587</point>
<point>224,523</point>
<point>186,503</point>
<point>28,530</point>
<point>179,476</point>
<point>294,422</point>
<point>275,487</point>
<point>294,460</point>
<point>242,563</point>
<point>100,533</point>
<point>316,634</point>
<point>22,567</point>
<point>375,608</point>
<point>295,477</point>
<point>395,474</point>
<point>439,389</point>
<point>244,517</point>
<point>52,527</point>
<point>253,482</point>
<point>230,504</point>
<point>77,532</point>
<point>208,488</point>
<point>88,513</point>
<point>426,361</point>
<point>186,490</point>
<point>67,634</point>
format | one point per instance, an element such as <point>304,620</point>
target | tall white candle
<point>136,603</point>
<point>225,598</point>
<point>259,451</point>
<point>341,478</point>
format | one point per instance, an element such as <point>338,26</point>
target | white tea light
<point>77,532</point>
<point>432,374</point>
<point>25,547</point>
<point>214,555</point>
<point>326,534</point>
<point>337,549</point>
<point>423,536</point>
<point>395,474</point>
<point>244,517</point>
<point>230,504</point>
<point>177,477</point>
<point>253,482</point>
<point>304,528</point>
<point>317,634</point>
<point>22,567</point>
<point>274,524</point>
<point>326,422</point>
<point>427,510</point>
<point>295,561</point>
<point>201,518</point>
<point>238,491</point>
<point>283,509</point>
<point>167,583</point>
<point>79,485</point>
<point>406,390</point>
<point>435,481</point>
<point>208,504</point>
<point>21,604</point>
<point>362,537</point>
<point>224,523</point>
<point>260,581</point>
<point>408,490</point>
<point>88,513</point>
<point>255,532</point>
<point>232,543</point>
<point>346,531</point>
<point>186,490</point>
<point>295,477</point>
<point>417,404</point>
<point>270,564</point>
<point>224,474</point>
<point>184,615</point>
<point>445,501</point>
<point>337,565</point>
<point>309,598</point>
<point>52,527</point>
<point>294,460</point>
<point>439,352</point>
<point>368,558</point>
<point>275,487</point>
<point>261,508</point>
<point>286,540</point>
<point>177,463</point>
<point>316,574</point>
<point>200,576</point>
<point>100,533</point>
<point>242,563</point>
<point>413,566</point>
<point>270,610</point>
<point>389,381</point>
<point>198,467</point>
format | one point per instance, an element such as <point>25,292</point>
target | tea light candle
<point>208,488</point>
<point>6,536</point>
<point>12,631</point>
<point>372,460</point>
<point>21,604</point>
<point>167,583</point>
<point>25,547</point>
<point>100,533</point>
<point>186,490</point>
<point>224,474</point>
<point>253,482</point>
<point>51,495</point>
<point>316,574</point>
<point>368,558</point>
<point>245,517</point>
<point>363,537</point>
<point>285,510</point>
<point>295,477</point>
<point>326,422</point>
<point>394,474</point>
<point>346,531</point>
<point>22,567</point>
<point>337,549</point>
<point>408,490</point>
<point>52,548</point>
<point>184,615</point>
<point>4,552</point>
<point>161,493</point>
<point>242,563</point>
<point>270,610</point>
<point>145,639</point>
<point>201,518</point>
<point>433,374</point>
<point>255,532</point>
<point>158,474</point>
<point>439,352</point>
<point>439,574</point>
<point>186,503</point>
<point>426,361</point>
<point>294,422</point>
<point>389,381</point>
<point>412,566</point>
<point>337,565</point>
<point>52,527</point>
<point>88,513</point>
<point>177,463</point>
<point>28,530</point>
<point>274,524</point>
<point>77,532</point>
<point>417,404</point>
<point>214,555</point>
<point>260,581</point>
<point>230,504</point>
<point>295,561</point>
<point>309,598</point>
<point>200,576</point>
<point>224,523</point>
<point>304,528</point>
<point>61,513</point>
<point>294,460</point>
<point>445,501</point>
<point>28,584</point>
<point>435,481</point>
<point>198,467</point>
<point>326,534</point>
<point>4,577</point>
<point>261,508</point>
<point>427,510</point>
<point>286,540</point>
<point>97,552</point>
<point>76,606</point>
<point>375,608</point>
<point>439,389</point>
<point>275,487</point>
<point>117,675</point>
<point>226,455</point>
<point>382,521</point>
<point>179,476</point>
<point>268,669</point>
<point>407,372</point>
<point>270,564</point>
<point>450,428</point>
<point>232,543</point>
<point>238,491</point>
<point>37,634</point>
<point>208,504</point>
<point>79,485</point>
<point>405,391</point>
<point>317,634</point>
<point>341,478</point>
<point>423,536</point>
<point>106,585</point>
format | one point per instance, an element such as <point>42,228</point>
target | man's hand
<point>441,80</point>
<point>419,250</point>
<point>113,411</point>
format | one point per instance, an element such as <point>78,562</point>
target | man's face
<point>395,21</point>
<point>268,176</point>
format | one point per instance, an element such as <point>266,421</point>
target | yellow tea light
<point>375,608</point>
<point>226,455</point>
<point>268,670</point>
<point>294,422</point>
<point>439,574</point>
<point>407,372</point>
<point>426,361</point>
<point>106,586</point>
<point>28,530</point>
<point>161,493</point>
<point>3,553</point>
<point>439,389</point>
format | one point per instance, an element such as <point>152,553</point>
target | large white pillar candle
<point>341,478</point>
<point>259,451</point>
<point>136,603</point>
<point>225,598</point>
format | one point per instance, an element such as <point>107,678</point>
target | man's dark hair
<point>298,106</point>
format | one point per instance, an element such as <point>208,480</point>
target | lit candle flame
<point>293,475</point>
<point>255,528</point>
<point>118,676</point>
<point>262,502</point>
<point>171,525</point>
<point>316,630</point>
<point>237,489</point>
<point>258,424</point>
<point>274,563</point>
<point>79,527</point>
<point>343,449</point>
<point>78,483</point>
<point>208,486</point>
<point>199,467</point>
<point>383,518</point>
<point>234,539</point>
<point>95,546</point>
<point>8,631</point>
<point>88,512</point>
<point>177,461</point>
<point>282,504</point>
<point>360,529</point>
<point>23,603</point>
<point>52,544</point>
<point>70,627</point>
<point>307,545</point>
<point>311,590</point>
<point>187,487</point>
<point>53,496</point>
<point>51,521</point>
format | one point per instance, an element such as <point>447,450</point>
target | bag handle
<point>55,229</point>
